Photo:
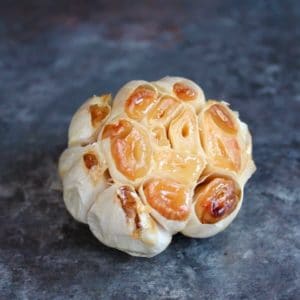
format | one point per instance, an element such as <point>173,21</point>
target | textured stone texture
<point>53,55</point>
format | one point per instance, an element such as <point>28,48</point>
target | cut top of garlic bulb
<point>161,160</point>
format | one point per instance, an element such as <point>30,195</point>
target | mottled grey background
<point>54,54</point>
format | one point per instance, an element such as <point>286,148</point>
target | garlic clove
<point>183,89</point>
<point>216,202</point>
<point>82,173</point>
<point>226,141</point>
<point>164,108</point>
<point>135,99</point>
<point>128,151</point>
<point>184,133</point>
<point>169,202</point>
<point>120,220</point>
<point>88,119</point>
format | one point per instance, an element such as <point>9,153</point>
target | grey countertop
<point>54,54</point>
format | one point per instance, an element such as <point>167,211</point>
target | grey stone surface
<point>54,54</point>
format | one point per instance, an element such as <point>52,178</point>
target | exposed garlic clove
<point>128,151</point>
<point>183,132</point>
<point>169,201</point>
<point>163,110</point>
<point>226,141</point>
<point>184,89</point>
<point>219,129</point>
<point>88,119</point>
<point>120,220</point>
<point>135,99</point>
<point>82,173</point>
<point>217,201</point>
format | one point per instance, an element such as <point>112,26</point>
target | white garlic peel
<point>81,183</point>
<point>88,119</point>
<point>162,160</point>
<point>138,234</point>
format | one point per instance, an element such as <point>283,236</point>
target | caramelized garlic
<point>161,160</point>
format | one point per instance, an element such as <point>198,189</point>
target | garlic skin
<point>88,119</point>
<point>115,228</point>
<point>82,180</point>
<point>249,167</point>
<point>159,161</point>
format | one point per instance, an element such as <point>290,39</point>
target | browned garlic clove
<point>169,201</point>
<point>183,89</point>
<point>216,202</point>
<point>128,151</point>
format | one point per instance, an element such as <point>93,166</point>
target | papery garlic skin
<point>82,172</point>
<point>249,165</point>
<point>161,160</point>
<point>108,221</point>
<point>88,119</point>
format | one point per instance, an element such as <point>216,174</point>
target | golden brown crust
<point>216,198</point>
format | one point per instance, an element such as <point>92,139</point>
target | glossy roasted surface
<point>53,55</point>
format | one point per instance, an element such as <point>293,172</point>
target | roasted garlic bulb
<point>159,160</point>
